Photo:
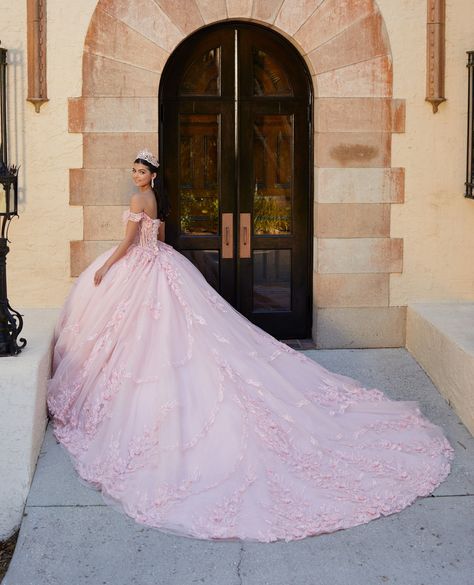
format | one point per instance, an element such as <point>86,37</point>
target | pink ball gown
<point>190,419</point>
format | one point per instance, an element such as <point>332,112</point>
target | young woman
<point>191,419</point>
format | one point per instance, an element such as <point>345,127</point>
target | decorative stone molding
<point>435,53</point>
<point>36,42</point>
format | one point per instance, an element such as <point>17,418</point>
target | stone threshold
<point>299,344</point>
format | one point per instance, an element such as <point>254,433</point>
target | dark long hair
<point>162,202</point>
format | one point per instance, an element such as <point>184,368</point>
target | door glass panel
<point>199,173</point>
<point>271,280</point>
<point>273,174</point>
<point>208,263</point>
<point>268,76</point>
<point>203,76</point>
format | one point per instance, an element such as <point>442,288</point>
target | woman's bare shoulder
<point>137,202</point>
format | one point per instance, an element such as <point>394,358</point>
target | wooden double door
<point>235,149</point>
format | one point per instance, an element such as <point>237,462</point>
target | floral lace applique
<point>153,305</point>
<point>223,516</point>
<point>132,216</point>
<point>74,328</point>
<point>104,338</point>
<point>216,300</point>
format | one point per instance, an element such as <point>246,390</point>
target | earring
<point>152,183</point>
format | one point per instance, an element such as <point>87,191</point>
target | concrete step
<point>23,414</point>
<point>440,336</point>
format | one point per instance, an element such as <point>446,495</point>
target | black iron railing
<point>470,128</point>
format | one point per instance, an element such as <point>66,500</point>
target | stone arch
<point>346,47</point>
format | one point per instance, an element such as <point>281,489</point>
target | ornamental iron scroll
<point>470,127</point>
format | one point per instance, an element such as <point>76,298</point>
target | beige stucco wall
<point>435,222</point>
<point>38,262</point>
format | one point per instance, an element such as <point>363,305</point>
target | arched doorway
<point>236,155</point>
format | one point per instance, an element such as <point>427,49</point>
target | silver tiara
<point>149,157</point>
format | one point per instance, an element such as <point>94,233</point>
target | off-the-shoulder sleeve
<point>131,216</point>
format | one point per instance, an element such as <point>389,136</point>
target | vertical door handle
<point>227,247</point>
<point>244,239</point>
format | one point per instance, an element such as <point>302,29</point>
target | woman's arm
<point>136,206</point>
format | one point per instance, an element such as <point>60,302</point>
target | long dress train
<point>191,419</point>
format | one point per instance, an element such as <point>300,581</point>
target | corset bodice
<point>147,234</point>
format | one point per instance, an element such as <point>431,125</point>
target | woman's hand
<point>99,275</point>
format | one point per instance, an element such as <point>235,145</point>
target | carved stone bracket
<point>36,31</point>
<point>435,53</point>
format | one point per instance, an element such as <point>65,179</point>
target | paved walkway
<point>69,537</point>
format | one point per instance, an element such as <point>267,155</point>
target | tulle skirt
<point>190,419</point>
